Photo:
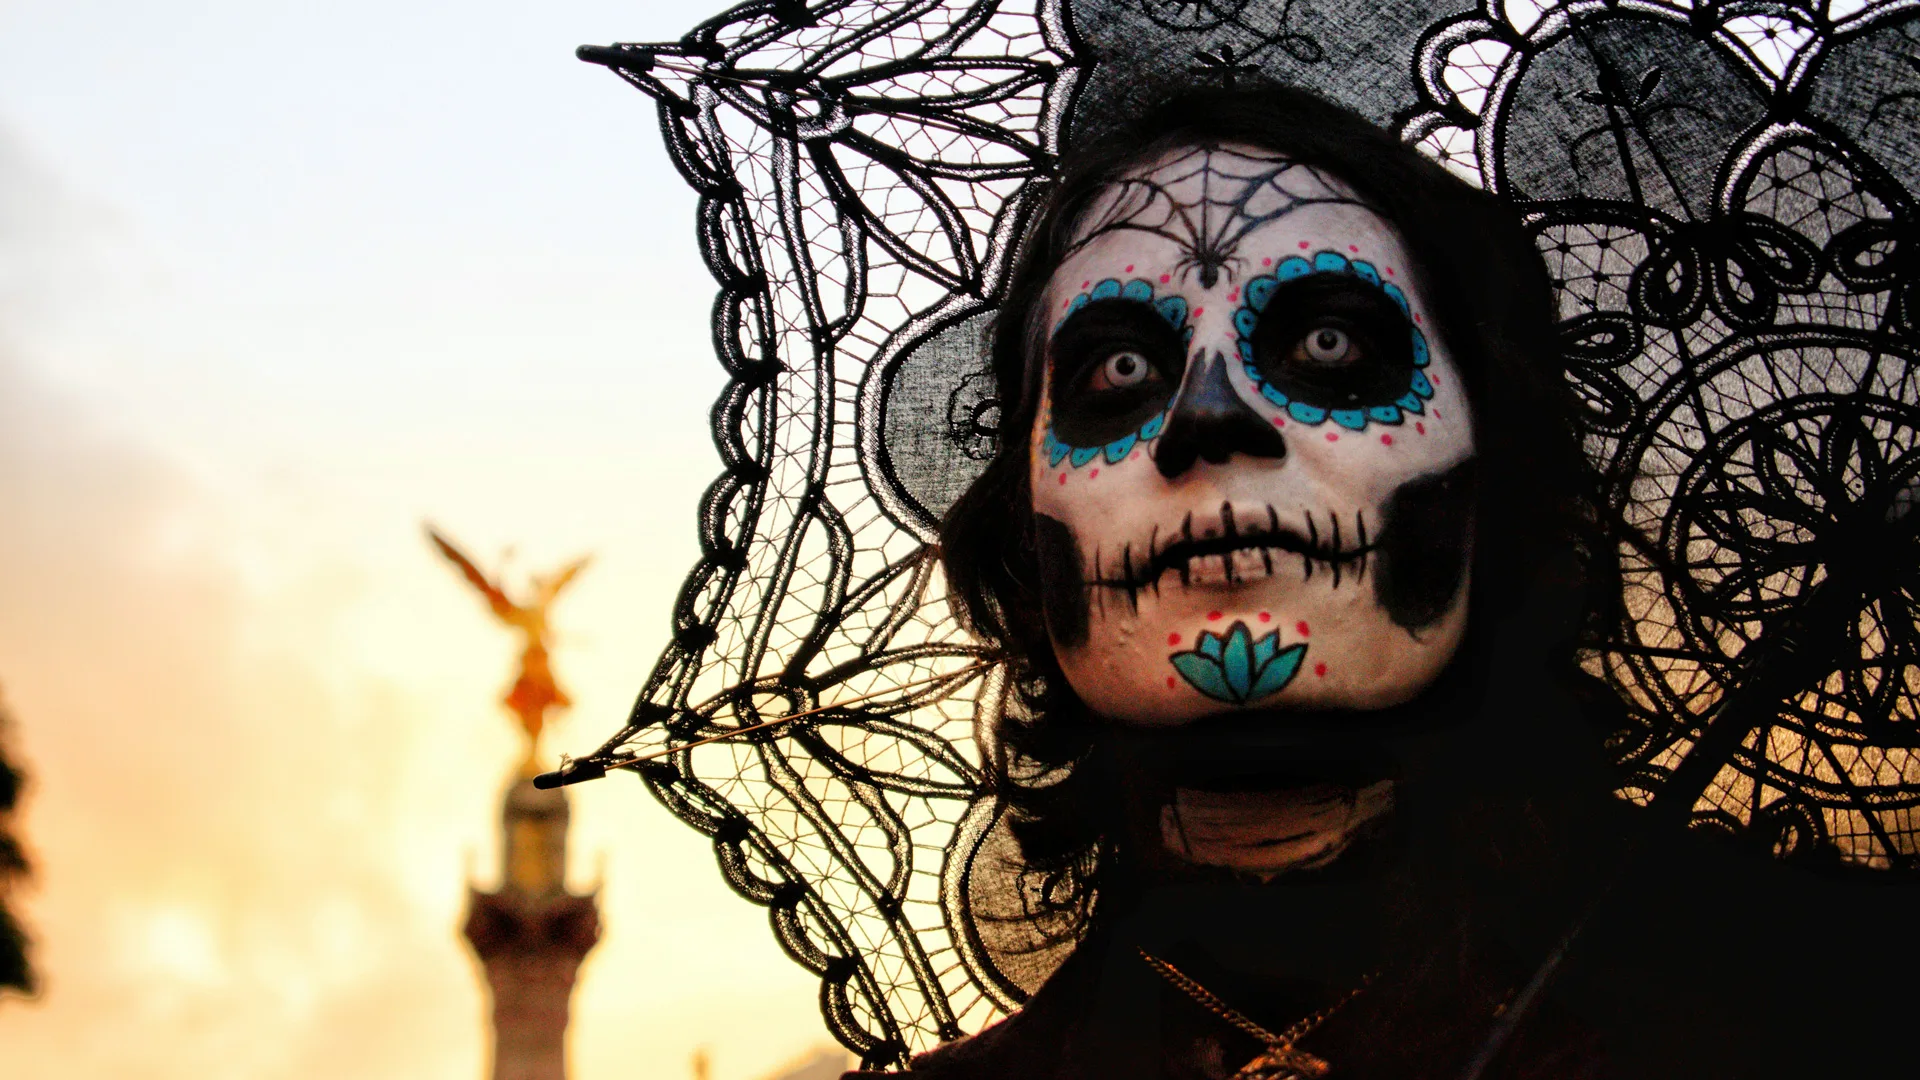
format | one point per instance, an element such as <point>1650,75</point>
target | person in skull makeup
<point>1282,399</point>
<point>1297,764</point>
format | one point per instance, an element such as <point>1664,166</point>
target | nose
<point>1210,420</point>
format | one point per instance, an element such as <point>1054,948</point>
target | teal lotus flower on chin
<point>1237,668</point>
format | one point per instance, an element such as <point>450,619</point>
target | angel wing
<point>550,587</point>
<point>496,599</point>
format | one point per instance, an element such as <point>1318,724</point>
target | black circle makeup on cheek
<point>1087,414</point>
<point>1375,368</point>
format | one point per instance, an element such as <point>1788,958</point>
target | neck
<point>1253,802</point>
<point>1267,833</point>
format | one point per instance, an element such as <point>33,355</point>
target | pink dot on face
<point>1303,245</point>
<point>1066,303</point>
<point>1266,262</point>
<point>1320,669</point>
<point>1135,456</point>
<point>1301,628</point>
<point>1389,271</point>
<point>1213,616</point>
<point>1266,616</point>
<point>1199,311</point>
<point>1129,269</point>
<point>1420,427</point>
<point>1279,421</point>
<point>1164,278</point>
<point>1331,437</point>
<point>1433,380</point>
<point>1063,478</point>
<point>1436,414</point>
<point>1419,319</point>
<point>1086,284</point>
<point>1173,639</point>
<point>1169,682</point>
<point>1353,248</point>
<point>1385,440</point>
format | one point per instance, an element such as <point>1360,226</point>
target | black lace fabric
<point>1724,193</point>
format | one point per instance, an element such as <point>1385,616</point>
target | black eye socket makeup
<point>1334,342</point>
<point>1115,365</point>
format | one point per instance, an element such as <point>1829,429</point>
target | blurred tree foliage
<point>14,970</point>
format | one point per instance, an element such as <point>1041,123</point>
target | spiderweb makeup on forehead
<point>1208,201</point>
<point>1725,195</point>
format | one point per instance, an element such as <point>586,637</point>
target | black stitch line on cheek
<point>1273,526</point>
<point>1092,592</point>
<point>1360,525</point>
<point>1226,527</point>
<point>1186,572</point>
<point>1334,517</point>
<point>1313,537</point>
<point>1153,538</point>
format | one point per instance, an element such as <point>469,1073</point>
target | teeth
<point>1235,567</point>
<point>1252,562</point>
<point>1209,570</point>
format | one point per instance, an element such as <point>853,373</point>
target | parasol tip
<point>613,56</point>
<point>569,773</point>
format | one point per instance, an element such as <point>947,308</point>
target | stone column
<point>531,935</point>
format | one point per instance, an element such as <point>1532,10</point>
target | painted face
<point>1252,463</point>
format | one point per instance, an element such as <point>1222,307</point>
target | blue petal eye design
<point>1173,309</point>
<point>1239,668</point>
<point>1391,408</point>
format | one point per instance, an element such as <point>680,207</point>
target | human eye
<point>1115,364</point>
<point>1333,342</point>
<point>1124,370</point>
<point>1327,346</point>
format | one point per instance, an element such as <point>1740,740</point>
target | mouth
<point>1240,550</point>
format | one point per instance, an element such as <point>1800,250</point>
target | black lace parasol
<point>1723,191</point>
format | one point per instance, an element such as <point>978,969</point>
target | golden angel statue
<point>535,691</point>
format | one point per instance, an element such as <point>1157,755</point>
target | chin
<point>1185,652</point>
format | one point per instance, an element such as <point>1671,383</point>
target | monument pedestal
<point>531,935</point>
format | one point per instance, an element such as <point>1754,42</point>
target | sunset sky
<point>279,282</point>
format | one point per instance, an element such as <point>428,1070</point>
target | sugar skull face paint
<point>1253,479</point>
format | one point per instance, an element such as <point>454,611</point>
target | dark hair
<point>1493,303</point>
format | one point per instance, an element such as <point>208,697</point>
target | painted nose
<point>1209,420</point>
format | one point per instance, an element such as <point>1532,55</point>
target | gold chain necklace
<point>1281,1060</point>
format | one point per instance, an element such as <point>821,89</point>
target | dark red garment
<point>1106,1015</point>
<point>1682,974</point>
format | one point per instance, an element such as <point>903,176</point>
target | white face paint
<point>1250,463</point>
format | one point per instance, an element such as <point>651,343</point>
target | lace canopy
<point>1723,191</point>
